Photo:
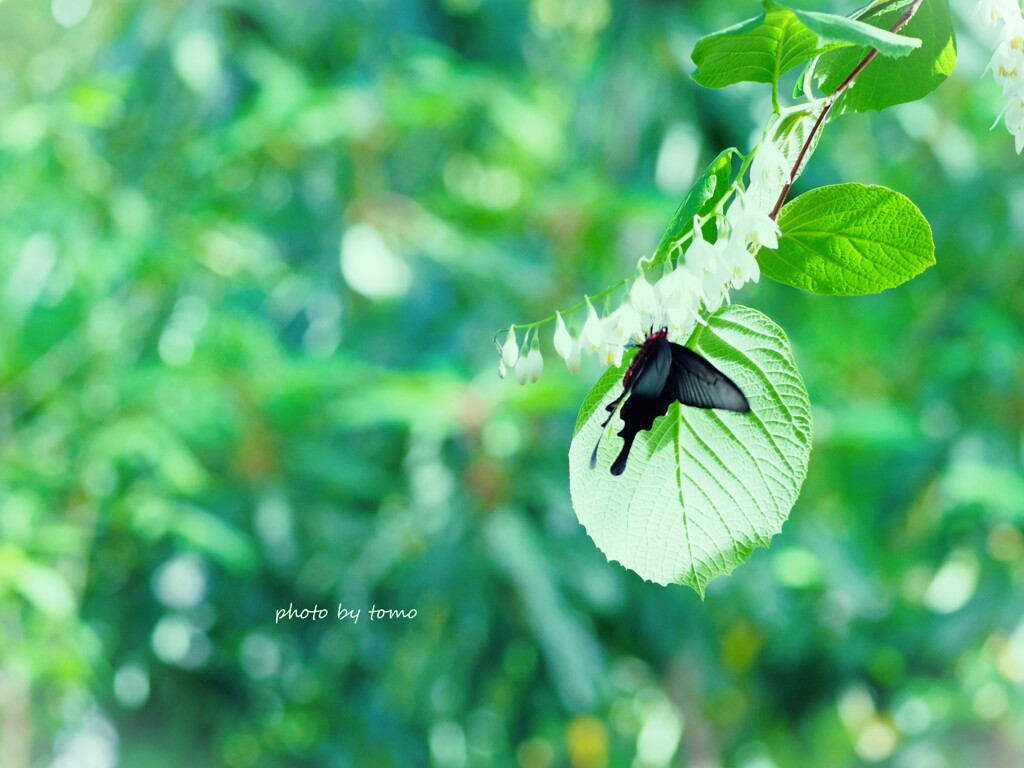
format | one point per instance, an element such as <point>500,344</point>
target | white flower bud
<point>575,357</point>
<point>534,364</point>
<point>563,340</point>
<point>523,369</point>
<point>510,349</point>
<point>502,369</point>
<point>592,335</point>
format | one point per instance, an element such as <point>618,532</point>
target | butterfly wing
<point>698,383</point>
<point>649,379</point>
<point>669,372</point>
<point>648,374</point>
<point>648,398</point>
<point>638,414</point>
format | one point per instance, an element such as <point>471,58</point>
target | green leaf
<point>886,82</point>
<point>757,50</point>
<point>761,50</point>
<point>47,590</point>
<point>222,541</point>
<point>832,28</point>
<point>706,192</point>
<point>849,239</point>
<point>703,488</point>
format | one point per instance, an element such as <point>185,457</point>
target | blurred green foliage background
<point>252,256</point>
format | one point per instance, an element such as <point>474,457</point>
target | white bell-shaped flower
<point>995,11</point>
<point>623,324</point>
<point>769,172</point>
<point>612,354</point>
<point>620,326</point>
<point>700,257</point>
<point>741,264</point>
<point>716,284</point>
<point>681,292</point>
<point>1007,65</point>
<point>643,298</point>
<point>751,223</point>
<point>1014,118</point>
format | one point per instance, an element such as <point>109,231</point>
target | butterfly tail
<point>612,408</point>
<point>620,462</point>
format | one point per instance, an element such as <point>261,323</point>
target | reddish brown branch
<point>831,100</point>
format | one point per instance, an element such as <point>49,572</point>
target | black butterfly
<point>662,373</point>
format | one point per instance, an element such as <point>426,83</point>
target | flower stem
<point>569,310</point>
<point>646,263</point>
<point>831,101</point>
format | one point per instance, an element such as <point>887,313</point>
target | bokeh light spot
<point>131,686</point>
<point>69,13</point>
<point>370,267</point>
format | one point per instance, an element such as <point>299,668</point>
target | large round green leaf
<point>703,488</point>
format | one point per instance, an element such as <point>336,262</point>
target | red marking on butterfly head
<point>645,349</point>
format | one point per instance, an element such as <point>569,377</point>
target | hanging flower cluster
<point>694,284</point>
<point>1007,63</point>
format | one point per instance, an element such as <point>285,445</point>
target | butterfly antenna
<point>593,456</point>
<point>611,413</point>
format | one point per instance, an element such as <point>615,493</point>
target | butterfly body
<point>660,374</point>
